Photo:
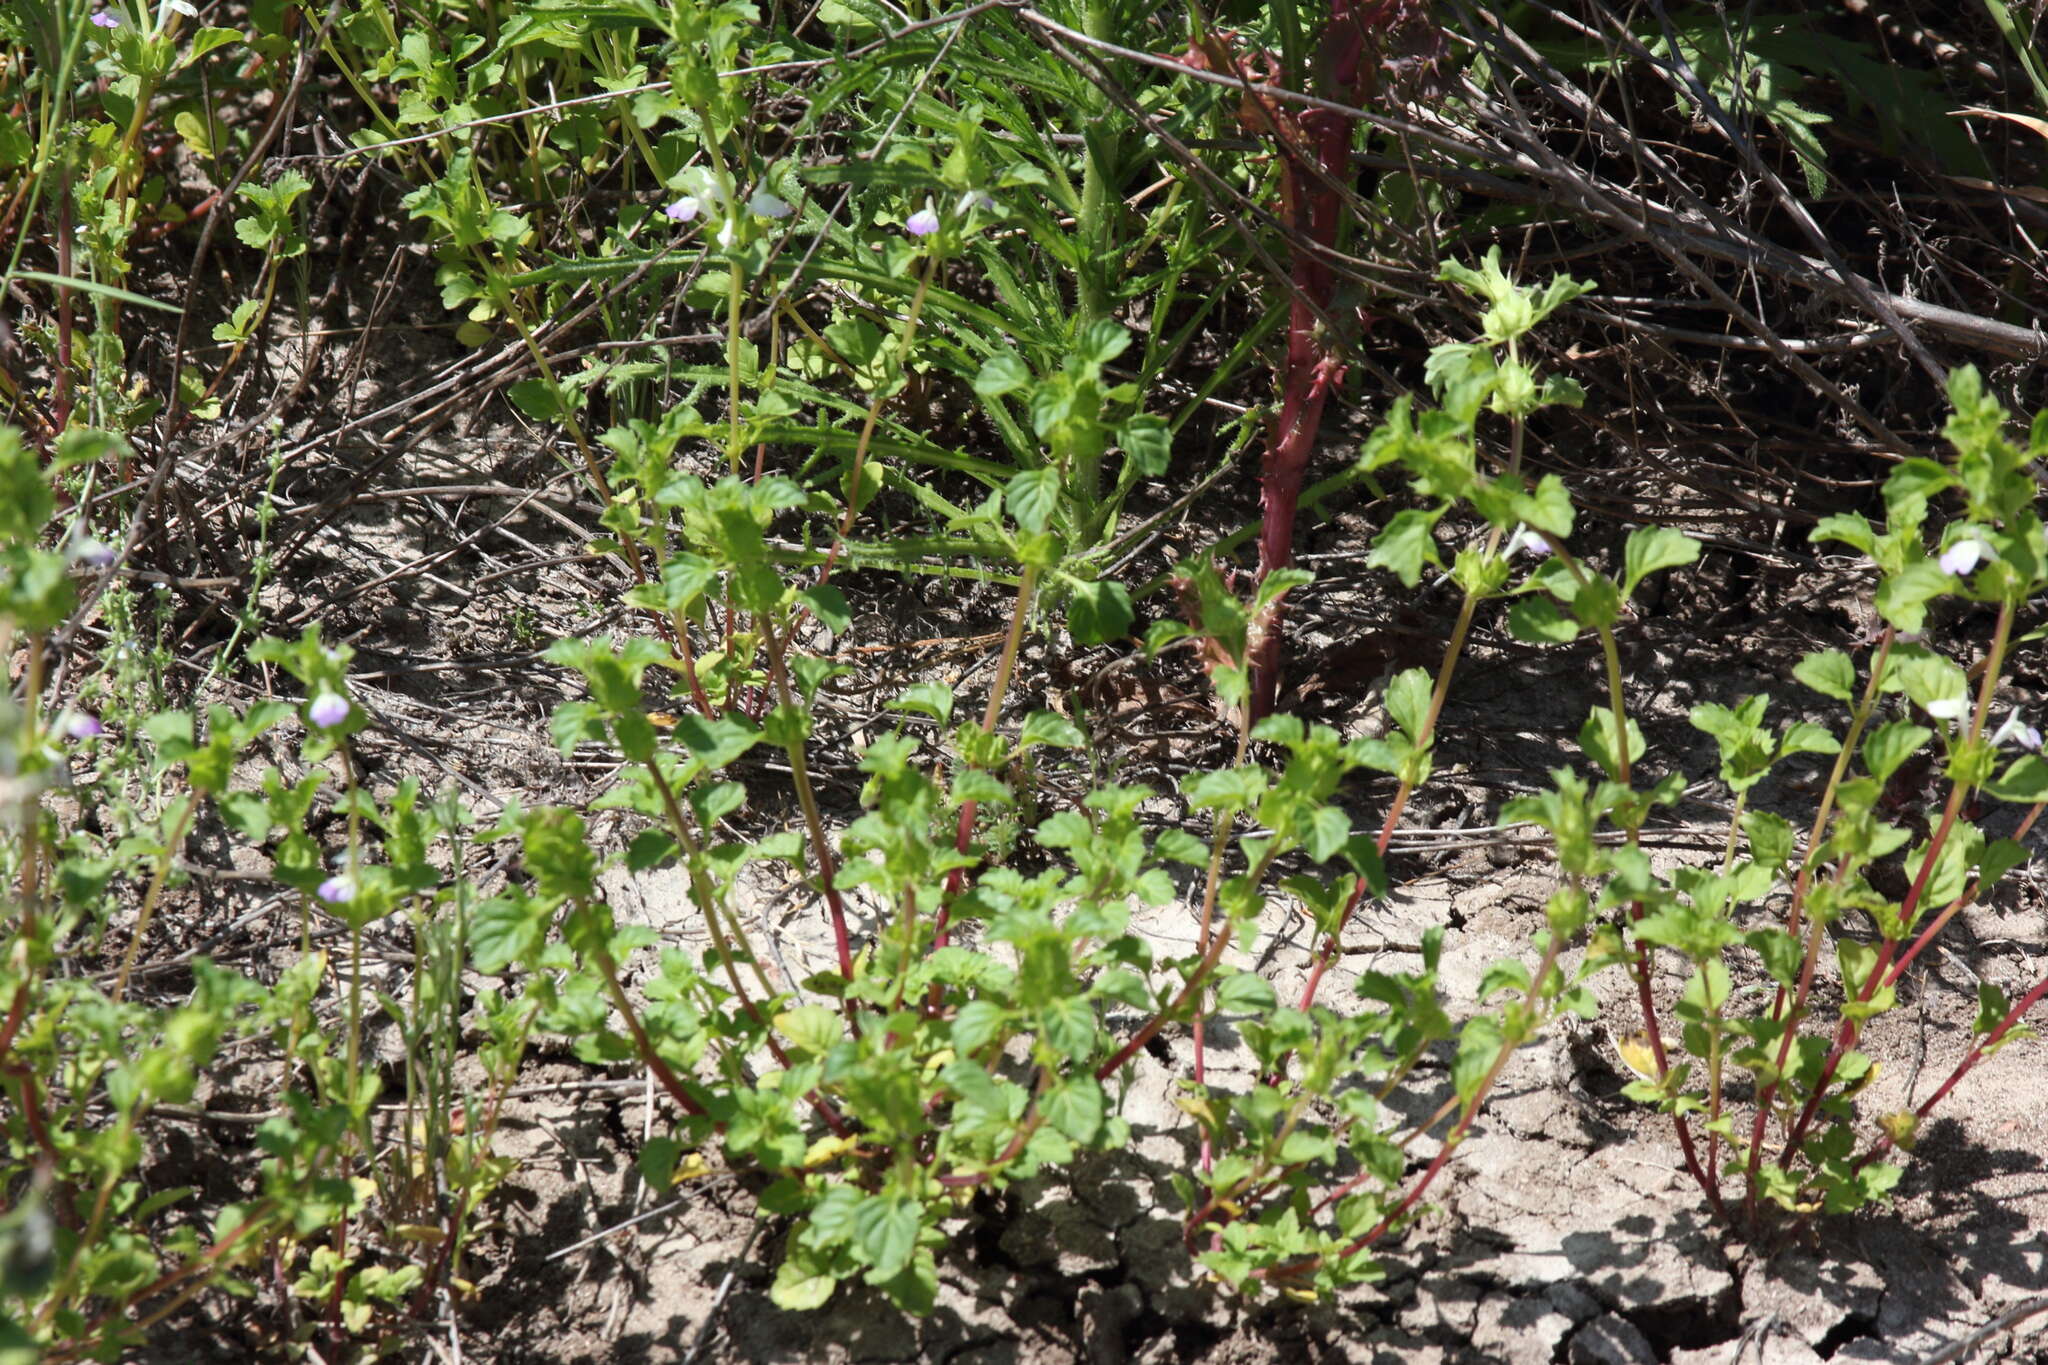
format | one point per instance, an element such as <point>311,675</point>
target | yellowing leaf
<point>1637,1055</point>
<point>1855,1087</point>
<point>829,1149</point>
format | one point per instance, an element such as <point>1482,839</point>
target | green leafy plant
<point>883,1091</point>
<point>97,1253</point>
<point>1750,1004</point>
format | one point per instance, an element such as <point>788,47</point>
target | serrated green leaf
<point>978,1023</point>
<point>1246,993</point>
<point>1075,1107</point>
<point>885,1232</point>
<point>1651,548</point>
<point>1889,746</point>
<point>1148,441</point>
<point>1099,612</point>
<point>1045,727</point>
<point>1536,620</point>
<point>1001,374</point>
<point>1405,544</point>
<point>1828,672</point>
<point>1031,497</point>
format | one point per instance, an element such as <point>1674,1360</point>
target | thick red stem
<point>1312,204</point>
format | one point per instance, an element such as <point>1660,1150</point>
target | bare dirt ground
<point>1566,1231</point>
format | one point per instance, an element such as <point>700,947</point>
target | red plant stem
<point>1970,1059</point>
<point>1311,203</point>
<point>1648,1004</point>
<point>1967,899</point>
<point>1342,1191</point>
<point>1799,890</point>
<point>1845,1036</point>
<point>1006,665</point>
<point>1196,979</point>
<point>1334,943</point>
<point>1847,1033</point>
<point>821,848</point>
<point>15,1013</point>
<point>956,880</point>
<point>1451,1142</point>
<point>1029,1125</point>
<point>655,1063</point>
<point>32,1109</point>
<point>87,1342</point>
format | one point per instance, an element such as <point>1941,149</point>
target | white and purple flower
<point>97,553</point>
<point>328,710</point>
<point>1963,557</point>
<point>2019,732</point>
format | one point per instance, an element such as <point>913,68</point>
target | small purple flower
<point>923,223</point>
<point>83,725</point>
<point>766,205</point>
<point>328,710</point>
<point>337,890</point>
<point>1525,539</point>
<point>2017,730</point>
<point>97,553</point>
<point>1963,556</point>
<point>684,209</point>
<point>104,19</point>
<point>975,199</point>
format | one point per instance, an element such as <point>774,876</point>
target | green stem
<point>883,392</point>
<point>732,367</point>
<point>707,901</point>
<point>963,832</point>
<point>1098,21</point>
<point>807,798</point>
<point>181,825</point>
<point>1859,717</point>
